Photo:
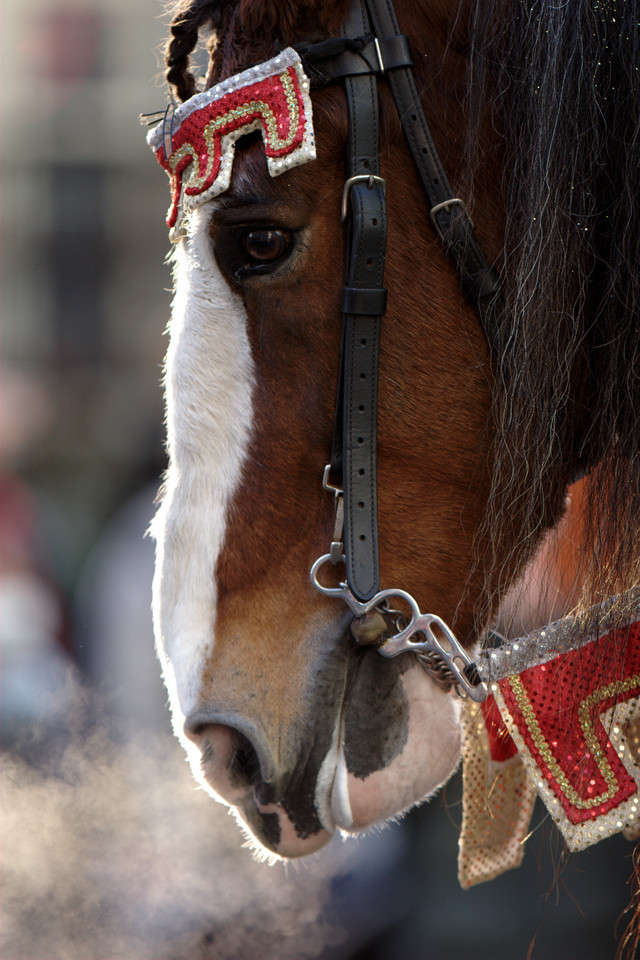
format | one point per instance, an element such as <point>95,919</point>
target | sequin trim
<point>197,151</point>
<point>575,734</point>
<point>611,690</point>
<point>570,633</point>
<point>497,799</point>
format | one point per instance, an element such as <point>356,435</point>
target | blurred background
<point>108,849</point>
<point>84,301</point>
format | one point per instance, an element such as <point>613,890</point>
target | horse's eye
<point>266,246</point>
<point>250,251</point>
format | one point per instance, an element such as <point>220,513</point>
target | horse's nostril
<point>244,766</point>
<point>234,763</point>
<point>194,731</point>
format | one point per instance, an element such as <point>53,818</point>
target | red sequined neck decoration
<point>573,715</point>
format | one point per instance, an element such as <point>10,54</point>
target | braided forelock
<point>238,31</point>
<point>188,20</point>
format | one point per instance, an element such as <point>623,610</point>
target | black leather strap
<point>360,58</point>
<point>334,59</point>
<point>388,51</point>
<point>364,301</point>
<point>362,340</point>
<point>480,282</point>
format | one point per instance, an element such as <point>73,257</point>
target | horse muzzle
<point>386,739</point>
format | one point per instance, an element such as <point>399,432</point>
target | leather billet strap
<point>480,282</point>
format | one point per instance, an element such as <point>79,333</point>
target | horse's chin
<point>268,830</point>
<point>290,845</point>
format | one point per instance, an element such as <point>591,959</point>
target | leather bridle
<point>372,48</point>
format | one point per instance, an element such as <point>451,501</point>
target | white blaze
<point>209,382</point>
<point>209,388</point>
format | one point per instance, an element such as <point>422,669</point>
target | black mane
<point>563,81</point>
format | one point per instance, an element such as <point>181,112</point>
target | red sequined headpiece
<point>195,144</point>
<point>562,719</point>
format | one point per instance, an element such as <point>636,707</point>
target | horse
<point>493,395</point>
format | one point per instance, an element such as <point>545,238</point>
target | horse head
<point>284,716</point>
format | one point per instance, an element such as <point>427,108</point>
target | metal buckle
<point>327,485</point>
<point>360,178</point>
<point>454,201</point>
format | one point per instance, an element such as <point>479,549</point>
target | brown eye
<point>267,246</point>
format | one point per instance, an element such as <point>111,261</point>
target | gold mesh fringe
<point>497,804</point>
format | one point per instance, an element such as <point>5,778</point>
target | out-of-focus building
<point>84,305</point>
<point>84,301</point>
